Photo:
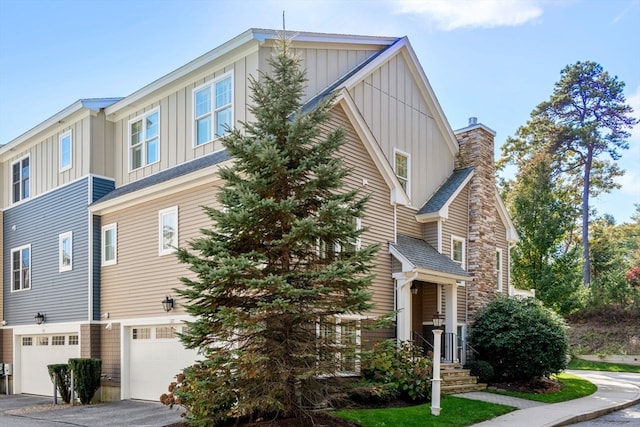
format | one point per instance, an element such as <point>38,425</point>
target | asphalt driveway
<point>36,411</point>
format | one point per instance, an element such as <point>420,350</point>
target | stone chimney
<point>476,150</point>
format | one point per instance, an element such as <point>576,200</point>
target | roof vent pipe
<point>473,121</point>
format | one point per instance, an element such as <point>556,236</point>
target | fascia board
<point>407,265</point>
<point>173,186</point>
<point>427,275</point>
<point>398,196</point>
<point>443,213</point>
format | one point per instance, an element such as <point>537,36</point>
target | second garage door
<point>156,356</point>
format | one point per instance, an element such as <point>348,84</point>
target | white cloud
<point>452,14</point>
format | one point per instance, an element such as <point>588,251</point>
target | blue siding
<point>101,187</point>
<point>39,222</point>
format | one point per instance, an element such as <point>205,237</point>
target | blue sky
<point>493,59</point>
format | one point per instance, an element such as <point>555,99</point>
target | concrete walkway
<point>615,391</point>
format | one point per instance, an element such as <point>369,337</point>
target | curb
<point>595,414</point>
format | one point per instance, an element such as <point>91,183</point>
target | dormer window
<point>20,173</point>
<point>401,166</point>
<point>213,109</point>
<point>66,146</point>
<point>144,140</point>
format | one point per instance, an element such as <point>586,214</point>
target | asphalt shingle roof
<point>168,174</point>
<point>423,255</point>
<point>444,193</point>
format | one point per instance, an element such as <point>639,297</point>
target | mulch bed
<point>537,386</point>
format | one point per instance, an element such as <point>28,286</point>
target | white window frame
<point>22,287</point>
<point>61,142</point>
<point>463,241</point>
<point>499,269</point>
<point>21,182</point>
<point>110,227</point>
<point>406,180</point>
<point>61,239</point>
<point>143,141</point>
<point>162,248</point>
<point>211,84</point>
<point>338,356</point>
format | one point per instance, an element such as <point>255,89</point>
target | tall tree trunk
<point>586,268</point>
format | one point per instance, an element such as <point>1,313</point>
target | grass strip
<point>456,412</point>
<point>573,387</point>
<point>603,366</point>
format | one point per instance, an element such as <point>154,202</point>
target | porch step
<point>458,380</point>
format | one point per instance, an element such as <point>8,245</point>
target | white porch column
<point>403,304</point>
<point>451,319</point>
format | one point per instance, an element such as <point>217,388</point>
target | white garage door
<point>38,351</point>
<point>157,355</point>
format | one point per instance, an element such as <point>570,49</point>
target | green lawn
<point>603,366</point>
<point>573,387</point>
<point>456,412</point>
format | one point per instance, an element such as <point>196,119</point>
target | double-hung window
<point>21,268</point>
<point>212,109</point>
<point>401,166</point>
<point>66,148</point>
<point>20,174</point>
<point>340,339</point>
<point>144,139</point>
<point>65,257</point>
<point>109,244</point>
<point>168,230</point>
<point>499,269</point>
<point>457,250</point>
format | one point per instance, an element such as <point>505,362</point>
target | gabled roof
<point>126,192</point>
<point>425,259</point>
<point>438,205</point>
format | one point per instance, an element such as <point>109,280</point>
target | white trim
<point>143,142</point>
<point>512,233</point>
<point>61,238</point>
<point>161,216</point>
<point>499,270</point>
<point>61,138</point>
<point>114,227</point>
<point>211,84</point>
<point>464,244</point>
<point>14,250</point>
<point>406,155</point>
<point>443,213</point>
<point>11,182</point>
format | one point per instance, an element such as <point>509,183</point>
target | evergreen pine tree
<point>280,262</point>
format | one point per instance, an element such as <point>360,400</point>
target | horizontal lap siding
<point>458,222</point>
<point>501,242</point>
<point>378,216</point>
<point>39,222</point>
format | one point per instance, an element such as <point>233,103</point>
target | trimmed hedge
<point>60,375</point>
<point>86,376</point>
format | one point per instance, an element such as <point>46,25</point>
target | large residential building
<point>94,200</point>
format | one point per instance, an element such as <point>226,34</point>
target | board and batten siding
<point>39,223</point>
<point>393,107</point>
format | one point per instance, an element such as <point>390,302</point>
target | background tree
<point>279,263</point>
<point>585,118</point>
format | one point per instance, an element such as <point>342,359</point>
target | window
<point>343,335</point>
<point>144,140</point>
<point>141,333</point>
<point>401,167</point>
<point>457,250</point>
<point>109,244</point>
<point>168,230</point>
<point>352,245</point>
<point>165,332</point>
<point>73,340</point>
<point>21,268</point>
<point>27,341</point>
<point>65,151</point>
<point>43,340</point>
<point>57,340</point>
<point>213,109</point>
<point>499,269</point>
<point>65,244</point>
<point>20,179</point>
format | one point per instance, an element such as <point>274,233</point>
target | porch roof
<point>425,258</point>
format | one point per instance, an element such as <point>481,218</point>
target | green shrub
<point>483,370</point>
<point>86,377</point>
<point>401,368</point>
<point>520,338</point>
<point>61,376</point>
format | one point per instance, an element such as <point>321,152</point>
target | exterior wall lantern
<point>414,289</point>
<point>168,303</point>
<point>40,318</point>
<point>438,320</point>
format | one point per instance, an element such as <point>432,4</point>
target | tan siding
<point>457,224</point>
<point>6,350</point>
<point>501,242</point>
<point>410,127</point>
<point>407,223</point>
<point>430,233</point>
<point>462,304</point>
<point>429,301</point>
<point>110,355</point>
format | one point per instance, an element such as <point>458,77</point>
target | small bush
<point>520,338</point>
<point>483,370</point>
<point>401,368</point>
<point>86,377</point>
<point>61,376</point>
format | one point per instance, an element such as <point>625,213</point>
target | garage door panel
<point>38,351</point>
<point>156,356</point>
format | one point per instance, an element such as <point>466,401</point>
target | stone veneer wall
<point>476,150</point>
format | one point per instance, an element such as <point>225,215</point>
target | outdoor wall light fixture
<point>438,319</point>
<point>168,303</point>
<point>40,318</point>
<point>414,289</point>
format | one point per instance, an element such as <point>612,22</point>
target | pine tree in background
<point>281,261</point>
